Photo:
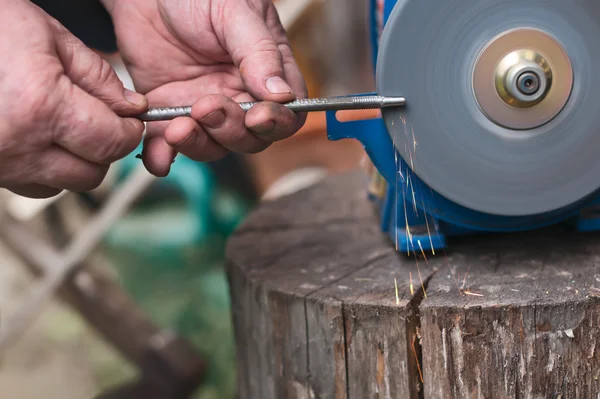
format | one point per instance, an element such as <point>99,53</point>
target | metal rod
<point>302,105</point>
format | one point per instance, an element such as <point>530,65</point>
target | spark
<point>412,289</point>
<point>417,358</point>
<point>451,271</point>
<point>396,194</point>
<point>419,271</point>
<point>397,297</point>
<point>429,235</point>
<point>412,189</point>
<point>408,234</point>
<point>423,252</point>
<point>465,278</point>
<point>427,224</point>
<point>401,175</point>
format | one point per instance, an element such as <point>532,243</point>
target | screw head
<point>528,83</point>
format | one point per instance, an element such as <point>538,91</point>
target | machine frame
<point>413,215</point>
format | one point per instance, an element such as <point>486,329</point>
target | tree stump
<point>317,313</point>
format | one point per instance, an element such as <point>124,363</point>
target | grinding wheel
<point>503,100</point>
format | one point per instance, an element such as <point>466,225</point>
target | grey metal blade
<point>427,54</point>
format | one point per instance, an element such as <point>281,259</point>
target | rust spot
<point>380,366</point>
<point>544,327</point>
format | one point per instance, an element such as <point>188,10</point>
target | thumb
<point>256,54</point>
<point>94,75</point>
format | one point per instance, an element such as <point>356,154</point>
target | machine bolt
<point>523,78</point>
<point>528,83</point>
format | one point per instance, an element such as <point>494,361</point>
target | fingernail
<point>277,85</point>
<point>189,139</point>
<point>133,97</point>
<point>214,120</point>
<point>264,129</point>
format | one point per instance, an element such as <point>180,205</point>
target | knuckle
<point>286,50</point>
<point>265,45</point>
<point>99,74</point>
<point>261,52</point>
<point>106,74</point>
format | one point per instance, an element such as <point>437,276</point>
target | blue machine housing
<point>416,217</point>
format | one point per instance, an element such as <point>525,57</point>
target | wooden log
<point>317,313</point>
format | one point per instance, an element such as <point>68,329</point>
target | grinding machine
<point>500,131</point>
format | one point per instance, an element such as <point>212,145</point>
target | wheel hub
<point>522,79</point>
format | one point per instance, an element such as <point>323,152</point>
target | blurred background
<point>149,302</point>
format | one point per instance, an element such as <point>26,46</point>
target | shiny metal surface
<point>165,114</point>
<point>523,78</point>
<point>302,105</point>
<point>497,70</point>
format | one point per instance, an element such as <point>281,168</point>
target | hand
<point>59,107</point>
<point>213,54</point>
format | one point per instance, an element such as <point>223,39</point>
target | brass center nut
<point>522,79</point>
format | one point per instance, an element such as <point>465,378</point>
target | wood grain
<point>317,316</point>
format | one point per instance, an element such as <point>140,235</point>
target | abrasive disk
<point>516,164</point>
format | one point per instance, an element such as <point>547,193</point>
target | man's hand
<point>59,107</point>
<point>210,53</point>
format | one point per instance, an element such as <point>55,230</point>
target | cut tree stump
<point>313,287</point>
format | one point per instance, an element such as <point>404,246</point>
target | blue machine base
<point>415,231</point>
<point>412,228</point>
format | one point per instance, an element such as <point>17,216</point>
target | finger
<point>223,119</point>
<point>88,128</point>
<point>61,170</point>
<point>256,54</point>
<point>158,155</point>
<point>271,122</point>
<point>36,191</point>
<point>96,76</point>
<point>290,66</point>
<point>291,70</point>
<point>189,139</point>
